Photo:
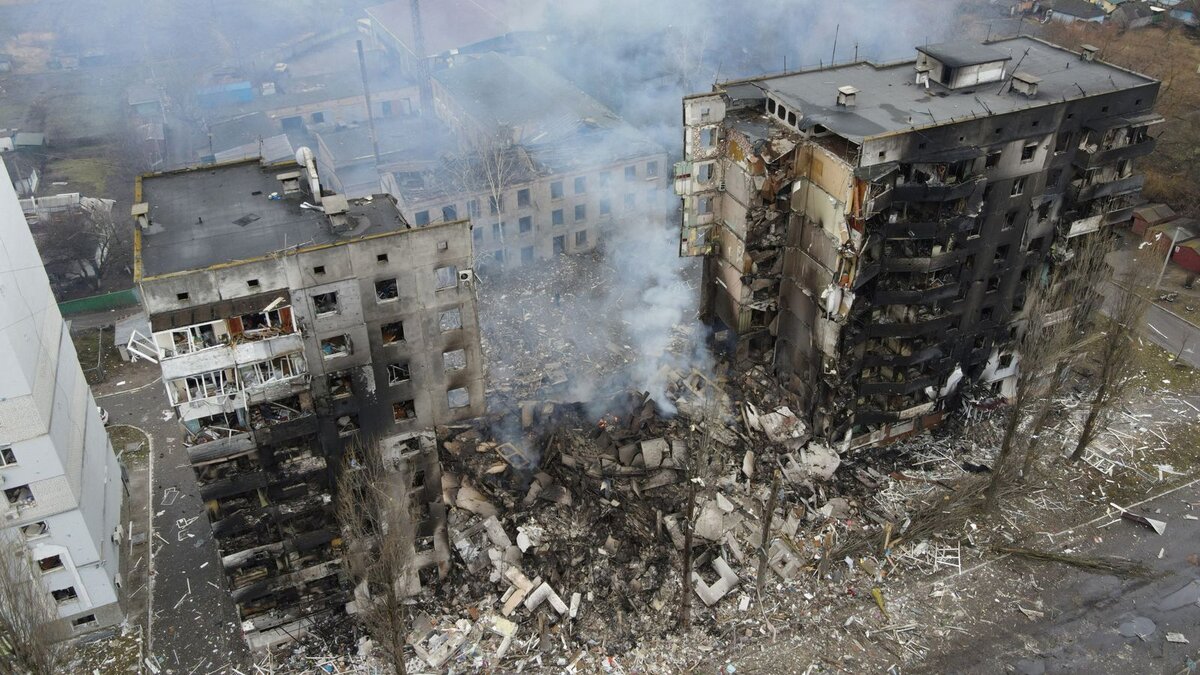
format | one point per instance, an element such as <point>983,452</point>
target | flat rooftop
<point>211,215</point>
<point>889,100</point>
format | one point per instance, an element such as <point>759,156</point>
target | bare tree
<point>701,468</point>
<point>1078,291</point>
<point>375,513</point>
<point>491,167</point>
<point>28,644</point>
<point>1126,307</point>
<point>1037,348</point>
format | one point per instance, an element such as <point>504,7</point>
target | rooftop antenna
<point>1079,88</point>
<point>856,51</point>
<point>985,106</point>
<point>1017,67</point>
<point>836,30</point>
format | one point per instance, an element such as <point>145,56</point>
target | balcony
<point>925,326</point>
<point>891,359</point>
<point>896,388</point>
<point>939,229</point>
<point>931,263</point>
<point>248,349</point>
<point>1094,157</point>
<point>211,450</point>
<point>936,192</point>
<point>282,431</point>
<point>914,296</point>
<point>1081,192</point>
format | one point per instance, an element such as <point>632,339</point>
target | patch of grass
<point>122,436</point>
<point>86,175</point>
<point>97,354</point>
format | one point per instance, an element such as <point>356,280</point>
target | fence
<point>97,303</point>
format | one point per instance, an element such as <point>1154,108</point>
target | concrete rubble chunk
<point>544,593</point>
<point>711,595</point>
<point>819,461</point>
<point>654,451</point>
<point>521,586</point>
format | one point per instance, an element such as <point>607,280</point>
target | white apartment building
<point>61,481</point>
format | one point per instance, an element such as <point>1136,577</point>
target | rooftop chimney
<point>1088,52</point>
<point>336,207</point>
<point>141,213</point>
<point>1024,83</point>
<point>846,96</point>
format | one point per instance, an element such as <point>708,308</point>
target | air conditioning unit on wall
<point>466,276</point>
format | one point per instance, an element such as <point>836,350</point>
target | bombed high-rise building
<point>297,329</point>
<point>871,230</point>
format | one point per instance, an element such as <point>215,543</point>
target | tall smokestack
<point>362,68</point>
<point>423,84</point>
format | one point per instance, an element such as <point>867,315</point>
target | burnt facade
<point>291,340</point>
<point>874,240</point>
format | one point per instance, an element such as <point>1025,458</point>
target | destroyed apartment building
<point>539,166</point>
<point>294,329</point>
<point>872,231</point>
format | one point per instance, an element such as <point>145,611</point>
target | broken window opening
<point>277,369</point>
<point>705,172</point>
<point>454,360</point>
<point>204,386</point>
<point>1028,152</point>
<point>1018,187</point>
<point>398,373</point>
<point>446,277</point>
<point>993,159</point>
<point>83,620</point>
<point>458,398</point>
<point>65,595</point>
<point>450,319</point>
<point>50,563</point>
<point>1062,142</point>
<point>341,385</point>
<point>405,410</point>
<point>336,346</point>
<point>581,238</point>
<point>7,456</point>
<point>347,425</point>
<point>35,530</point>
<point>20,496</point>
<point>556,190</point>
<point>387,290</point>
<point>580,212</point>
<point>392,332</point>
<point>523,198</point>
<point>325,303</point>
<point>525,224</point>
<point>556,217</point>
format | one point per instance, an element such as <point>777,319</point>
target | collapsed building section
<point>872,231</point>
<point>297,330</point>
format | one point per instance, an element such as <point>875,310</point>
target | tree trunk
<point>1035,438</point>
<point>1002,459</point>
<point>685,601</point>
<point>766,533</point>
<point>1089,427</point>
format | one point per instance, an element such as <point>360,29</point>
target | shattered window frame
<point>392,333</point>
<point>556,190</point>
<point>404,410</point>
<point>524,199</point>
<point>389,292</point>
<point>340,384</point>
<point>64,596</point>
<point>399,373</point>
<point>347,347</point>
<point>328,299</point>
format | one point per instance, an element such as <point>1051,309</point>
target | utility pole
<point>362,67</point>
<point>1167,260</point>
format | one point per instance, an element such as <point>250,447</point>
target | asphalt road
<point>194,624</point>
<point>1174,333</point>
<point>1101,623</point>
